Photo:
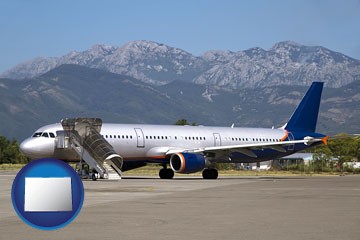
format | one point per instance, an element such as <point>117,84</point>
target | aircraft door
<point>291,138</point>
<point>140,137</point>
<point>217,139</point>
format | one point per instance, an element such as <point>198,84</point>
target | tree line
<point>340,149</point>
<point>10,152</point>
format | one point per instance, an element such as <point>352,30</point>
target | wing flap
<point>254,146</point>
<point>247,152</point>
<point>278,146</point>
<point>246,148</point>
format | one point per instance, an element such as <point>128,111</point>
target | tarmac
<point>193,208</point>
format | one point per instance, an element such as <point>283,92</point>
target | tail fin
<point>305,116</point>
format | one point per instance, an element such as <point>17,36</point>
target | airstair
<point>83,136</point>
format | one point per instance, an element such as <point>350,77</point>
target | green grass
<point>6,166</point>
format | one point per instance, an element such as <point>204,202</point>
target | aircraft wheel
<point>210,173</point>
<point>205,173</point>
<point>166,173</point>
<point>214,173</point>
<point>93,177</point>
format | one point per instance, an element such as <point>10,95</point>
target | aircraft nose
<point>26,147</point>
<point>37,147</point>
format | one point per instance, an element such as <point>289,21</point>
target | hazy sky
<point>32,28</point>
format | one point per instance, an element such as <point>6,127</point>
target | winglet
<point>325,140</point>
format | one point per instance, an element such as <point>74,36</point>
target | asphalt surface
<point>193,208</point>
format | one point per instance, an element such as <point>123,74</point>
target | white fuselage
<point>137,141</point>
<point>150,142</point>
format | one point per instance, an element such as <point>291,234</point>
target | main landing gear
<point>207,173</point>
<point>210,173</point>
<point>166,173</point>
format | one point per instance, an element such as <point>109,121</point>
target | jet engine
<point>187,162</point>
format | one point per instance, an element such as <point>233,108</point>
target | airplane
<point>190,149</point>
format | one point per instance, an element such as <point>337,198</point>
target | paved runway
<point>193,208</point>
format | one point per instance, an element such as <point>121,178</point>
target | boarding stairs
<point>83,136</point>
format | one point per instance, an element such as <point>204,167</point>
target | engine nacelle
<point>187,162</point>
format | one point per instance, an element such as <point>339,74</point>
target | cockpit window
<point>37,134</point>
<point>45,134</point>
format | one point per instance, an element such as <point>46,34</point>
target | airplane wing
<point>247,148</point>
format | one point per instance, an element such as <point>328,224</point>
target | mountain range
<point>72,90</point>
<point>286,63</point>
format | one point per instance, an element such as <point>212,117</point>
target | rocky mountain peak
<point>102,49</point>
<point>145,46</point>
<point>288,45</point>
<point>309,54</point>
<point>155,63</point>
<point>218,56</point>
